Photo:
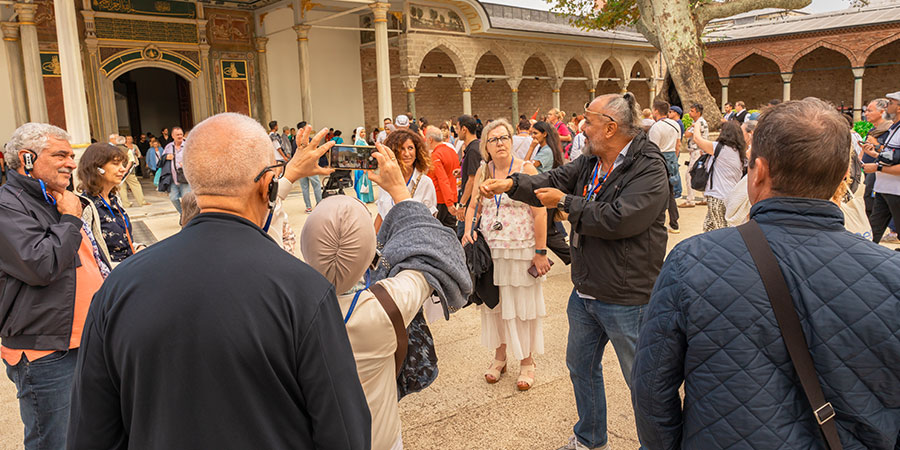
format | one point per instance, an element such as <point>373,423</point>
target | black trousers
<point>555,240</point>
<point>673,209</point>
<point>886,206</point>
<point>445,218</point>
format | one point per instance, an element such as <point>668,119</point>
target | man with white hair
<point>50,269</point>
<point>242,345</point>
<point>443,164</point>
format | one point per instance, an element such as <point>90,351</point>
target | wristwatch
<point>540,252</point>
<point>879,167</point>
<point>564,203</point>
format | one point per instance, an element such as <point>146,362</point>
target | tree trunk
<point>678,37</point>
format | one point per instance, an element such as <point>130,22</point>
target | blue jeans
<point>675,176</point>
<point>316,183</point>
<point>176,191</point>
<point>593,323</point>
<point>44,390</point>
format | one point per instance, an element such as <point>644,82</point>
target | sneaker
<point>308,210</point>
<point>687,204</point>
<point>674,230</point>
<point>890,238</point>
<point>575,445</point>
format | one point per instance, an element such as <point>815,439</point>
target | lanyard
<point>596,182</point>
<point>498,198</point>
<point>49,198</point>
<point>356,297</point>
<point>407,185</point>
<point>126,226</point>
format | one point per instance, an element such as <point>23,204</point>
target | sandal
<point>525,382</point>
<point>497,368</point>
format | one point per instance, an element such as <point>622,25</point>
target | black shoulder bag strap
<point>390,307</point>
<point>791,332</point>
<point>712,165</point>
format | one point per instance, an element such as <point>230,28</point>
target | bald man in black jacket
<point>234,343</point>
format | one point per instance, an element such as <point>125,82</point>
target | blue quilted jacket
<point>710,325</point>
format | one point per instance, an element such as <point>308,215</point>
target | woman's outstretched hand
<point>388,176</point>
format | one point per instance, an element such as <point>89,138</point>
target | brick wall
<point>572,95</point>
<point>880,80</point>
<point>712,83</point>
<point>491,100</point>
<point>534,94</point>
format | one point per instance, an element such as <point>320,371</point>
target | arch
<point>637,85</point>
<point>755,80</point>
<point>716,65</point>
<point>574,93</point>
<point>711,78</point>
<point>609,69</point>
<point>491,96</point>
<point>550,66</point>
<point>755,51</point>
<point>499,53</point>
<point>450,99</point>
<point>824,73</point>
<point>616,64</point>
<point>881,65</point>
<point>650,67</point>
<point>107,105</point>
<point>823,44</point>
<point>585,64</point>
<point>444,46</point>
<point>882,43</point>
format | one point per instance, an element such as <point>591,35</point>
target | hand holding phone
<point>354,157</point>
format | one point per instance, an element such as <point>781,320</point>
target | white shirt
<point>728,170</point>
<point>520,145</point>
<point>577,146</point>
<point>276,143</point>
<point>381,137</point>
<point>886,183</point>
<point>424,193</point>
<point>665,134</point>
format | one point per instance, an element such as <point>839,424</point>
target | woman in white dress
<point>415,162</point>
<point>516,234</point>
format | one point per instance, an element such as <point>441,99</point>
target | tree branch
<point>644,24</point>
<point>707,12</point>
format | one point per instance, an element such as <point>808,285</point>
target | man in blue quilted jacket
<point>710,324</point>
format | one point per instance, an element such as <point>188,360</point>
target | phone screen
<point>353,157</point>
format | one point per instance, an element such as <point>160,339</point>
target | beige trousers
<point>132,183</point>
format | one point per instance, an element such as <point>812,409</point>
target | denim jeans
<point>316,183</point>
<point>44,390</point>
<point>675,177</point>
<point>593,323</point>
<point>176,191</point>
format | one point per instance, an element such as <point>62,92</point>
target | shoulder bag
<point>791,331</point>
<point>702,169</point>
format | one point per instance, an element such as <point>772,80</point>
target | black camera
<point>889,157</point>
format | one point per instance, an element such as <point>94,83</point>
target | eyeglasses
<point>278,168</point>
<point>588,111</point>
<point>498,139</point>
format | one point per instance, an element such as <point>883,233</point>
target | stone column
<point>623,85</point>
<point>555,85</point>
<point>382,60</point>
<point>410,83</point>
<point>857,93</point>
<point>724,82</point>
<point>466,82</point>
<point>16,77</point>
<point>514,89</point>
<point>592,94</point>
<point>74,98</point>
<point>305,84</point>
<point>652,83</point>
<point>592,88</point>
<point>264,78</point>
<point>31,58</point>
<point>786,85</point>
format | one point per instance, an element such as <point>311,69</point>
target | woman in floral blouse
<point>517,236</point>
<point>100,171</point>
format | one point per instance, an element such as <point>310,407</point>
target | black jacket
<point>622,232</point>
<point>243,347</point>
<point>38,257</point>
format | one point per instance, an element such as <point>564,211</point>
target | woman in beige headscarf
<point>338,240</point>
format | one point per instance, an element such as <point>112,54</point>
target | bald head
<point>224,154</point>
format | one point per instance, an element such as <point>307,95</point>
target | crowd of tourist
<point>316,353</point>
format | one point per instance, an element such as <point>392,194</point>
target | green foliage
<point>615,13</point>
<point>687,121</point>
<point>862,127</point>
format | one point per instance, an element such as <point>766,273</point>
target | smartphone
<point>353,157</point>
<point>533,269</point>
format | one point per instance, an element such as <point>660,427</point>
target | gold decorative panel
<point>145,31</point>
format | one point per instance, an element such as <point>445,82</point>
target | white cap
<point>893,96</point>
<point>402,121</point>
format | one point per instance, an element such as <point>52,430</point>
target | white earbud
<point>102,172</point>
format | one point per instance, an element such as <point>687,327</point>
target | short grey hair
<point>32,136</point>
<point>434,133</point>
<point>224,153</point>
<point>882,105</point>
<point>625,108</point>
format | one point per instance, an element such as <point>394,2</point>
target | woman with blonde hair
<point>557,119</point>
<point>516,234</point>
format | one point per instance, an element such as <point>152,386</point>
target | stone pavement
<point>459,411</point>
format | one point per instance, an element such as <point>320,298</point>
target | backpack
<point>702,170</point>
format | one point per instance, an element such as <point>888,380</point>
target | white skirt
<point>517,320</point>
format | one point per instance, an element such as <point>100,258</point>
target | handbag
<point>419,368</point>
<point>702,169</point>
<point>156,177</point>
<point>791,331</point>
